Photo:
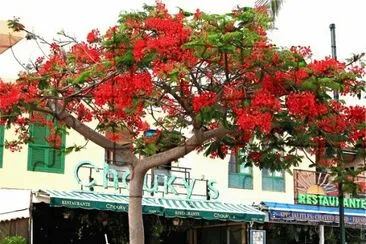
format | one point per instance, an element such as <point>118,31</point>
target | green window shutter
<point>39,134</point>
<point>41,156</point>
<point>1,145</point>
<point>37,158</point>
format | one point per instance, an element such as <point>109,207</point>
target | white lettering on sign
<point>187,213</point>
<point>114,206</point>
<point>221,215</point>
<point>75,203</point>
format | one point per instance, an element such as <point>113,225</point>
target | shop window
<point>114,157</point>
<point>162,172</point>
<point>240,176</point>
<point>42,157</point>
<point>1,145</point>
<point>273,180</point>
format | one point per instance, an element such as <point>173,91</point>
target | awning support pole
<point>321,234</point>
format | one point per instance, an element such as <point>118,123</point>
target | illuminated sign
<point>331,201</point>
<point>166,184</point>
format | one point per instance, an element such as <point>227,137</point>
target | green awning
<point>99,201</point>
<point>181,208</point>
<point>210,210</point>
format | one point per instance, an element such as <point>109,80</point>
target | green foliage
<point>13,240</point>
<point>162,142</point>
<point>126,60</point>
<point>15,24</point>
<point>207,114</point>
<point>83,77</point>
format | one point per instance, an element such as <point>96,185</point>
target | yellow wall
<point>217,169</point>
<point>14,173</point>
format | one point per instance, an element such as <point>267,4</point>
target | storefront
<point>314,218</point>
<point>176,209</point>
<point>70,213</point>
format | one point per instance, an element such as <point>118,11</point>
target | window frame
<point>47,148</point>
<point>273,179</point>
<point>238,173</point>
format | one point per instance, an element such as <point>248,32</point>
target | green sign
<point>90,204</point>
<point>167,187</point>
<point>212,215</point>
<point>330,201</point>
<point>171,208</point>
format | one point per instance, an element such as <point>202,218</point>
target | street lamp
<point>339,156</point>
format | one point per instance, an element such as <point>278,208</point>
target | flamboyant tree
<point>216,76</point>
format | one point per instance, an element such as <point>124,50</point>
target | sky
<point>300,22</point>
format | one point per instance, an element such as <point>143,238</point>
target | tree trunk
<point>135,222</point>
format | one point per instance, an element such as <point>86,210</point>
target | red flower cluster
<point>333,124</point>
<point>304,52</point>
<point>359,136</point>
<point>326,66</point>
<point>83,114</point>
<point>355,114</point>
<point>205,99</point>
<point>12,94</point>
<point>120,91</point>
<point>93,36</point>
<point>304,105</point>
<point>248,121</point>
<point>84,53</point>
<point>233,95</point>
<point>54,139</point>
<point>265,101</point>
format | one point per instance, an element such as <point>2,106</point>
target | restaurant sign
<point>330,201</point>
<point>159,183</point>
<point>318,188</point>
<point>101,205</point>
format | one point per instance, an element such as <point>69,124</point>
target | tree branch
<point>191,144</point>
<point>91,134</point>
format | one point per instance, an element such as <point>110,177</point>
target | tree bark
<point>91,134</point>
<point>180,151</point>
<point>135,222</point>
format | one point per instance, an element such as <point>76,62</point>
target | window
<point>240,176</point>
<point>1,145</point>
<point>41,156</point>
<point>114,157</point>
<point>273,180</point>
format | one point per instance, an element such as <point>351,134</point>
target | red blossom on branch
<point>206,99</point>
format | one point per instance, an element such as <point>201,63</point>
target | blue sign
<point>280,215</point>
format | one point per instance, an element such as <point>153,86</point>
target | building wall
<point>217,169</point>
<point>14,172</point>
